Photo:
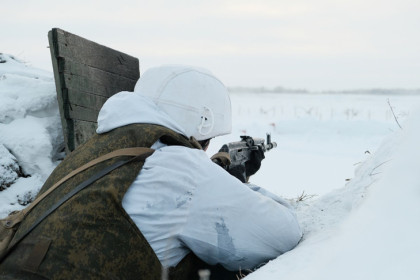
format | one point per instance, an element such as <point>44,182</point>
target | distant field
<point>321,137</point>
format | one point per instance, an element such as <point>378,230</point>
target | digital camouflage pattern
<point>91,236</point>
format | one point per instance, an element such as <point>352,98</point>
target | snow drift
<point>366,230</point>
<point>30,132</point>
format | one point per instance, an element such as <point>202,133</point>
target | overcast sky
<point>312,44</point>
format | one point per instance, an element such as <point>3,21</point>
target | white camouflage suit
<point>182,201</point>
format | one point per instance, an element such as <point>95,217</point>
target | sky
<point>304,44</point>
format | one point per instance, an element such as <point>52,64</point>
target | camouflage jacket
<point>91,236</point>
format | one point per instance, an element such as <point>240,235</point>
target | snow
<point>366,230</point>
<point>30,132</point>
<point>315,133</point>
<point>357,170</point>
<point>8,168</point>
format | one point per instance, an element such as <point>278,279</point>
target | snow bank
<point>367,230</point>
<point>30,131</point>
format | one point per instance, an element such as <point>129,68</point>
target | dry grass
<point>304,197</point>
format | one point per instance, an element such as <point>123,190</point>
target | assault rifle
<point>240,152</point>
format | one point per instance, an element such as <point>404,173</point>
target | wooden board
<point>86,74</point>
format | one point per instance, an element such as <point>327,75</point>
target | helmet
<point>192,97</point>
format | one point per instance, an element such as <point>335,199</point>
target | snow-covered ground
<point>358,170</point>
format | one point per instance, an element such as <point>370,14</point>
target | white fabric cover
<point>182,201</point>
<point>191,96</point>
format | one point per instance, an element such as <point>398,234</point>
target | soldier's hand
<point>254,163</point>
<point>238,171</point>
<point>222,159</point>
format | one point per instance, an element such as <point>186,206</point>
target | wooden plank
<point>92,85</point>
<point>95,55</point>
<point>107,82</point>
<point>86,99</point>
<point>86,74</point>
<point>66,123</point>
<point>76,112</point>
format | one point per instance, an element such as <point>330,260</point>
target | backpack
<point>10,224</point>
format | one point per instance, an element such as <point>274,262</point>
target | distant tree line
<point>279,89</point>
<point>267,90</point>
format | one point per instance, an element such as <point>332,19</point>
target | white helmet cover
<point>193,97</point>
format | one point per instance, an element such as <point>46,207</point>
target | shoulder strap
<point>137,151</point>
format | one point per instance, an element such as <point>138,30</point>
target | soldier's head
<point>193,97</point>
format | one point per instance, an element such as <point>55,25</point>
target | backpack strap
<point>137,151</point>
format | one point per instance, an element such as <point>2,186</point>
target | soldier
<point>176,210</point>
